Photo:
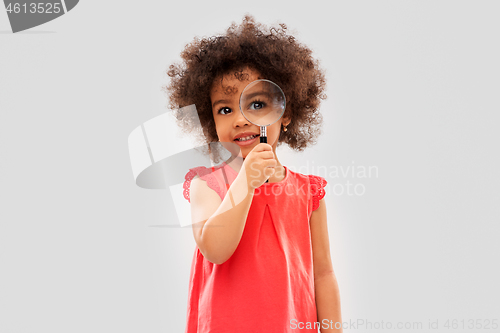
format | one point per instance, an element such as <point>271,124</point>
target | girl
<point>262,262</point>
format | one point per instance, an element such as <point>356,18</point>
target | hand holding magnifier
<point>262,103</point>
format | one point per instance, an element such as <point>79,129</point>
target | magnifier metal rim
<point>284,102</point>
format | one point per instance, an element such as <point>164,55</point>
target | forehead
<point>234,82</point>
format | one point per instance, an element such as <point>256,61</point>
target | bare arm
<point>218,225</point>
<point>326,287</point>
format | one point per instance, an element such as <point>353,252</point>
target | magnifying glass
<point>262,103</point>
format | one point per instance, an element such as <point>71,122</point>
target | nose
<point>240,120</point>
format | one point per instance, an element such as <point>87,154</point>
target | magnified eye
<point>257,105</point>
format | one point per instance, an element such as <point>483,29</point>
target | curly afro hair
<point>271,52</point>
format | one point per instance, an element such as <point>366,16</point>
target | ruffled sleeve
<point>317,189</point>
<point>204,173</point>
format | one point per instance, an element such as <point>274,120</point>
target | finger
<point>263,147</point>
<point>266,155</point>
<point>271,163</point>
<point>269,171</point>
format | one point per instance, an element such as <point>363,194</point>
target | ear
<point>285,121</point>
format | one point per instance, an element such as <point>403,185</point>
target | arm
<point>218,225</point>
<point>326,287</point>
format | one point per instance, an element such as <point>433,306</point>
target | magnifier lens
<point>262,102</point>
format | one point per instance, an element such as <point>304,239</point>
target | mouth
<point>247,140</point>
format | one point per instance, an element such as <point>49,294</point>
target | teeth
<point>247,138</point>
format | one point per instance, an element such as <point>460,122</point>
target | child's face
<point>230,122</point>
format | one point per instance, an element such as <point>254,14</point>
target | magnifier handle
<point>263,139</point>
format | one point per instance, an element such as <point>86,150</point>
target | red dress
<point>267,285</point>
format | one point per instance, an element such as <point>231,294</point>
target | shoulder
<point>298,177</point>
<point>315,185</point>
<point>317,189</point>
<point>203,191</point>
<point>188,178</point>
<point>315,181</point>
<point>201,179</point>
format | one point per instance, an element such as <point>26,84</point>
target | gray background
<point>413,90</point>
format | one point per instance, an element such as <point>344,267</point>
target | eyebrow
<point>250,96</point>
<point>258,93</point>
<point>220,101</point>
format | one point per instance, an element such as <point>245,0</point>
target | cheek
<point>220,129</point>
<point>276,128</point>
<point>217,124</point>
<point>274,131</point>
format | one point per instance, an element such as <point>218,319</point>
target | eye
<point>224,110</point>
<point>257,105</point>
